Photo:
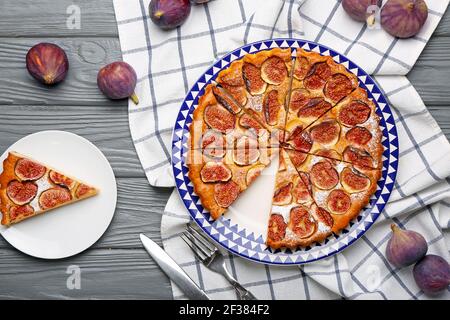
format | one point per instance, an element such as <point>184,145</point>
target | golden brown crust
<point>9,175</point>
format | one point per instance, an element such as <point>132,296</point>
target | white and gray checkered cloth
<point>168,64</point>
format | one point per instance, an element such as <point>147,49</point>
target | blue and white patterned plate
<point>240,239</point>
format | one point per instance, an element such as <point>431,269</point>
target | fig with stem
<point>118,80</point>
<point>47,63</point>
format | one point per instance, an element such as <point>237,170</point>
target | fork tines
<point>198,243</point>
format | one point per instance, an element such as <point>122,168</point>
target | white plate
<point>71,229</point>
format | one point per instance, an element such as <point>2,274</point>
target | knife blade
<point>173,270</point>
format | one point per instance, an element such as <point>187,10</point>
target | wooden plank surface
<point>116,267</point>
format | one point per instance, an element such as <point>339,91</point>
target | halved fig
<point>21,192</point>
<point>213,144</point>
<point>277,227</point>
<point>271,107</point>
<point>358,157</point>
<point>301,140</point>
<point>326,133</point>
<point>282,195</point>
<point>339,202</point>
<point>232,78</point>
<point>301,68</point>
<point>215,172</point>
<point>297,157</point>
<point>253,173</point>
<point>226,100</point>
<point>22,211</point>
<point>253,81</point>
<point>359,136</point>
<point>315,108</point>
<point>246,151</point>
<point>338,87</point>
<point>219,118</point>
<point>248,122</point>
<point>225,193</point>
<point>301,222</point>
<point>302,189</point>
<point>238,93</point>
<point>54,197</point>
<point>27,170</point>
<point>318,76</point>
<point>299,99</point>
<point>354,181</point>
<point>58,178</point>
<point>354,113</point>
<point>324,176</point>
<point>83,190</point>
<point>274,71</point>
<point>322,215</point>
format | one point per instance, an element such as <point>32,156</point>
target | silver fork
<point>213,259</point>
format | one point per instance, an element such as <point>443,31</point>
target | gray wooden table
<point>116,267</point>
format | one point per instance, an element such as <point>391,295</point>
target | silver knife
<point>173,270</point>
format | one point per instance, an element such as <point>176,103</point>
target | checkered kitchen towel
<point>168,63</point>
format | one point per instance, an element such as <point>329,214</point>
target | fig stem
<point>371,20</point>
<point>134,98</point>
<point>158,14</point>
<point>394,227</point>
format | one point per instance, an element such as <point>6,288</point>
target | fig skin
<point>404,18</point>
<point>47,63</point>
<point>432,274</point>
<point>405,247</point>
<point>117,80</point>
<point>357,9</point>
<point>169,14</point>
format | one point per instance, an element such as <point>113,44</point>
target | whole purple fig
<point>169,14</point>
<point>404,18</point>
<point>47,63</point>
<point>117,80</point>
<point>405,247</point>
<point>432,274</point>
<point>358,10</point>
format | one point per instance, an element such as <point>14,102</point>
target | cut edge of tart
<point>29,188</point>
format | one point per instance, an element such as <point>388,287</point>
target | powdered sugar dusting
<point>340,166</point>
<point>358,196</point>
<point>42,184</point>
<point>322,227</point>
<point>255,103</point>
<point>321,196</point>
<point>284,211</point>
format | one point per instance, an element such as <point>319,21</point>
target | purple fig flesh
<point>118,80</point>
<point>432,274</point>
<point>404,18</point>
<point>169,14</point>
<point>357,9</point>
<point>47,63</point>
<point>405,247</point>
